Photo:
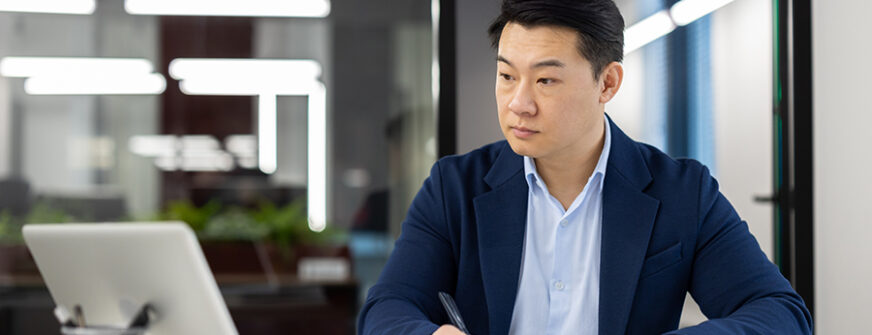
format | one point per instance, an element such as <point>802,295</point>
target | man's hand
<point>448,330</point>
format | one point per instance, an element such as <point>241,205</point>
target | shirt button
<point>559,285</point>
<point>563,223</point>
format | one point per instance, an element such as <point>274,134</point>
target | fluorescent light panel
<point>185,68</point>
<point>664,22</point>
<point>267,79</point>
<point>687,11</point>
<point>266,133</point>
<point>317,152</point>
<point>84,76</point>
<point>252,86</point>
<point>647,30</point>
<point>187,153</point>
<point>80,7</point>
<point>153,145</point>
<point>435,12</point>
<point>264,8</point>
<point>56,66</point>
<point>245,76</point>
<point>148,84</point>
<point>241,145</point>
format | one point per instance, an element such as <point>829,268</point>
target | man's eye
<point>505,76</point>
<point>546,81</point>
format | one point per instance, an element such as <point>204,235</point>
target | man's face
<point>547,98</point>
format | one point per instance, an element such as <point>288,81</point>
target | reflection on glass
<point>241,141</point>
<point>84,76</point>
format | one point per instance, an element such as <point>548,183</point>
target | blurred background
<point>292,135</point>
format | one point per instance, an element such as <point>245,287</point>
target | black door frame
<point>793,176</point>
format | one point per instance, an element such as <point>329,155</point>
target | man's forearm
<point>770,315</point>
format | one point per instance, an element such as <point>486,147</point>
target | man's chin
<point>522,148</point>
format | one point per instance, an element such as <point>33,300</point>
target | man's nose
<point>522,101</point>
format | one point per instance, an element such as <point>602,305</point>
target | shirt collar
<point>532,175</point>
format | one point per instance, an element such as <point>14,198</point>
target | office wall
<point>842,115</point>
<point>742,94</point>
<point>477,122</point>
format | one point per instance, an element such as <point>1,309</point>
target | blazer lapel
<point>628,219</point>
<point>501,217</point>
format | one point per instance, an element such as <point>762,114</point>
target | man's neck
<point>567,173</point>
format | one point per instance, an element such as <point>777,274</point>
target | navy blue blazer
<point>666,230</point>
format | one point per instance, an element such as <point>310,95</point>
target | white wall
<point>742,94</point>
<point>742,91</point>
<point>842,116</point>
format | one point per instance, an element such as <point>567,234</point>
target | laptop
<point>112,269</point>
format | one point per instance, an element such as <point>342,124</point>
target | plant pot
<point>232,257</point>
<point>244,259</point>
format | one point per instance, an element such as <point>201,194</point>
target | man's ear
<point>611,77</point>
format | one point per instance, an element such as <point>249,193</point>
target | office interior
<point>292,140</point>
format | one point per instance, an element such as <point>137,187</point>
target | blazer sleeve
<point>735,285</point>
<point>405,298</point>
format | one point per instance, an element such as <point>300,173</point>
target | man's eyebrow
<point>549,62</point>
<point>544,63</point>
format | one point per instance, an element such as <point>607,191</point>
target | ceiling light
<point>687,11</point>
<point>81,7</point>
<point>53,66</point>
<point>148,84</point>
<point>647,30</point>
<point>267,79</point>
<point>84,76</point>
<point>264,8</point>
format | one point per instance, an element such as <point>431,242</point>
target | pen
<point>453,312</point>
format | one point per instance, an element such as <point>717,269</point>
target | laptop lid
<point>112,269</point>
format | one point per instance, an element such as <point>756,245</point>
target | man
<point>570,226</point>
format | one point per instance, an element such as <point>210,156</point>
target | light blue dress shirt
<point>558,290</point>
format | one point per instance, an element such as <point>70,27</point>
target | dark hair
<point>599,24</point>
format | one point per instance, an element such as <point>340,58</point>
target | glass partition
<point>291,138</point>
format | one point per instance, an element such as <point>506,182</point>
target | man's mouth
<point>522,132</point>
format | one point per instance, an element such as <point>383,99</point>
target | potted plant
<point>290,238</point>
<point>240,241</point>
